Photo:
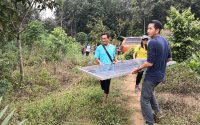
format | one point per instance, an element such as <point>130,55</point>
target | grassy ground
<point>79,103</point>
<point>179,96</point>
<point>66,96</point>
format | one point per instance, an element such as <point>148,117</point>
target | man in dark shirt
<point>158,55</point>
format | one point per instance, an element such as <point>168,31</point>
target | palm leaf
<point>6,120</point>
<point>3,111</point>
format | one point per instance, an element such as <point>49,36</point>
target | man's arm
<point>144,65</point>
<point>151,56</point>
<point>98,61</point>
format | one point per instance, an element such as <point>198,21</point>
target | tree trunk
<point>20,57</point>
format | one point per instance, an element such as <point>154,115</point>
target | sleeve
<point>151,53</point>
<point>97,53</point>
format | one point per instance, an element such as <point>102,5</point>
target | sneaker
<point>157,117</point>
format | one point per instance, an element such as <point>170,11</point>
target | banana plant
<point>7,118</point>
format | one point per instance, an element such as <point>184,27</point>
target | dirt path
<point>133,101</point>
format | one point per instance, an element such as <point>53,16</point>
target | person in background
<point>101,57</point>
<point>140,53</point>
<point>83,50</point>
<point>158,54</point>
<point>88,48</point>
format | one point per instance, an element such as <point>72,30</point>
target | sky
<point>47,14</point>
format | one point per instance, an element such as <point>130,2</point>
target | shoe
<point>157,117</point>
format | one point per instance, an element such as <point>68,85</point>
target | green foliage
<point>57,42</point>
<point>129,54</point>
<point>81,38</point>
<point>186,30</point>
<point>7,65</point>
<point>97,28</point>
<point>37,80</point>
<point>52,110</point>
<point>80,104</point>
<point>33,32</point>
<point>5,119</point>
<point>5,86</point>
<point>179,79</point>
<point>194,62</point>
<point>196,117</point>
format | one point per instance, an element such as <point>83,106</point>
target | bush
<point>8,62</point>
<point>5,87</point>
<point>81,38</point>
<point>129,54</point>
<point>194,62</point>
<point>186,29</point>
<point>179,79</point>
<point>37,81</point>
<point>52,110</point>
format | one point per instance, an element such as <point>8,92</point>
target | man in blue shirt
<point>158,54</point>
<point>102,58</point>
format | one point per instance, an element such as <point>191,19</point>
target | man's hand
<point>100,63</point>
<point>115,61</point>
<point>135,70</point>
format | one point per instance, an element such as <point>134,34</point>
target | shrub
<point>81,38</point>
<point>52,110</point>
<point>186,29</point>
<point>5,87</point>
<point>179,79</point>
<point>37,80</point>
<point>129,54</point>
<point>194,62</point>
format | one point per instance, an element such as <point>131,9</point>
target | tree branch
<point>28,10</point>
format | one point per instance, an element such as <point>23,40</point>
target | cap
<point>145,37</point>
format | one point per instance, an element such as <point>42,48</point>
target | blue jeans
<point>148,101</point>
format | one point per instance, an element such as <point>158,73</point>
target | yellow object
<point>141,53</point>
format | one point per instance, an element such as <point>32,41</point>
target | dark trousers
<point>148,101</point>
<point>87,53</point>
<point>139,77</point>
<point>105,85</point>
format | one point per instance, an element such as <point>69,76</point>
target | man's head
<point>154,28</point>
<point>105,37</point>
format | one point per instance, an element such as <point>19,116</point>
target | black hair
<point>142,43</point>
<point>157,24</point>
<point>107,34</point>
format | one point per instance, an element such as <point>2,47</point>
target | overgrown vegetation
<point>185,28</point>
<point>179,96</point>
<point>53,91</point>
<point>180,79</point>
<point>80,104</point>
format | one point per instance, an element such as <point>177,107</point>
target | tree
<point>81,38</point>
<point>97,28</point>
<point>15,15</point>
<point>186,33</point>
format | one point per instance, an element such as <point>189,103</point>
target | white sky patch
<point>47,14</point>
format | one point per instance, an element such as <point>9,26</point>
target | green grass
<point>81,104</point>
<point>180,80</point>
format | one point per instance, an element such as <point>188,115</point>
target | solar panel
<point>122,68</point>
<point>108,71</point>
